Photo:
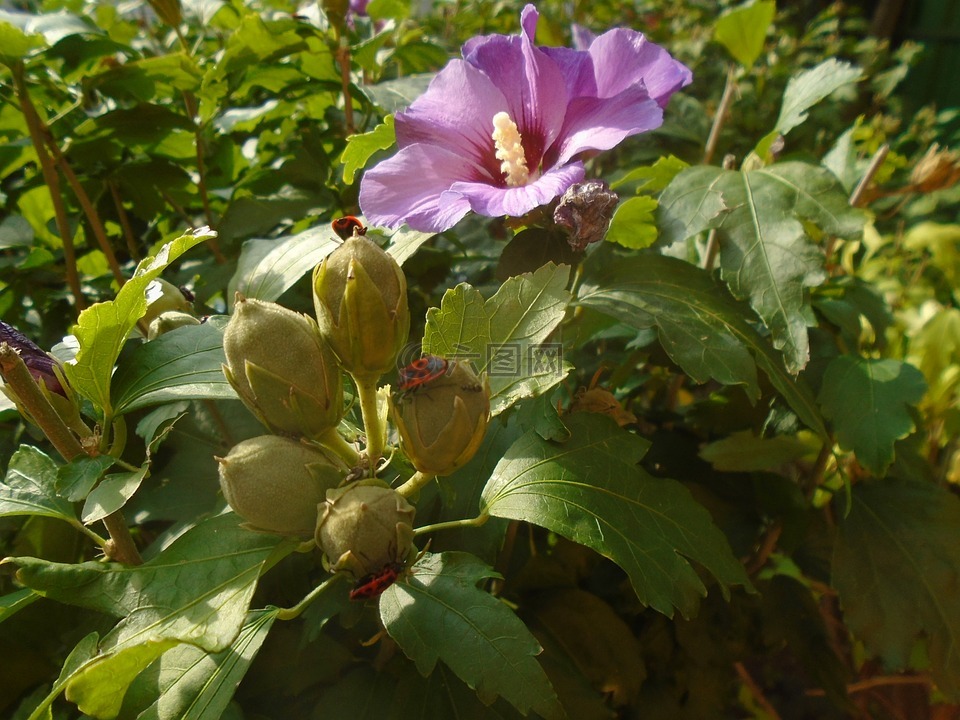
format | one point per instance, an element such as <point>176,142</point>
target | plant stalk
<point>723,109</point>
<point>416,481</point>
<point>373,425</point>
<point>294,612</point>
<point>452,525</point>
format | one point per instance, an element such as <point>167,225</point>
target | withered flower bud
<point>442,423</point>
<point>282,369</point>
<point>360,295</point>
<point>363,527</point>
<point>276,484</point>
<point>936,170</point>
<point>585,209</point>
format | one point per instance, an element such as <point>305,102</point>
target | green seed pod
<point>363,527</point>
<point>170,320</point>
<point>276,484</point>
<point>282,369</point>
<point>360,294</point>
<point>442,423</point>
<point>162,297</point>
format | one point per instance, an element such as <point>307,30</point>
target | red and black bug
<point>420,372</point>
<point>348,226</point>
<point>372,585</point>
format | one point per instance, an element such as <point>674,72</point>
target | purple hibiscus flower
<point>499,132</point>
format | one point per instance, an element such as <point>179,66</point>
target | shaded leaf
<point>439,613</point>
<point>112,494</point>
<point>742,30</point>
<point>29,487</point>
<point>271,267</point>
<point>392,96</point>
<point>745,452</point>
<point>869,402</point>
<point>183,364</point>
<point>896,565</point>
<point>102,329</point>
<point>505,336</point>
<point>591,490</point>
<point>16,601</point>
<point>699,325</point>
<point>76,479</point>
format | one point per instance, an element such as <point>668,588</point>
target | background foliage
<point>740,499</point>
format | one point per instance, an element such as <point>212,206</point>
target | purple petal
<point>455,112</point>
<point>582,37</point>
<point>413,187</point>
<point>625,57</point>
<point>602,123</point>
<point>531,82</point>
<point>495,201</point>
<point>577,69</point>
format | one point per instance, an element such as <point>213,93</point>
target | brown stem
<point>756,691</point>
<point>52,181</point>
<point>191,105</point>
<point>128,234</point>
<point>819,467</point>
<point>96,224</point>
<point>858,197</point>
<point>726,102</point>
<point>15,373</point>
<point>343,58</point>
<point>767,545</point>
<point>875,682</point>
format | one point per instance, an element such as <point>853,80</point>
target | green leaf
<point>745,452</point>
<point>188,684</point>
<point>29,487</point>
<point>765,253</point>
<point>505,336</point>
<point>268,268</point>
<point>699,325</point>
<point>198,590</point>
<point>869,402</point>
<point>360,148</point>
<point>112,493</point>
<point>182,364</point>
<point>102,329</point>
<point>652,178</point>
<point>810,87</point>
<point>76,479</point>
<point>405,242</point>
<point>16,601</point>
<point>15,44</point>
<point>895,566</point>
<point>395,95</point>
<point>439,613</point>
<point>743,29</point>
<point>632,224</point>
<point>591,490</point>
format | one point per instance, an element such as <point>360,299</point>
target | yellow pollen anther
<point>509,149</point>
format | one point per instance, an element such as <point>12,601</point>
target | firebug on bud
<point>348,226</point>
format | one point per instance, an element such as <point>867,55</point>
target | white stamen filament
<point>509,149</point>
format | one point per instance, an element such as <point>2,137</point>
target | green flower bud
<point>363,527</point>
<point>276,484</point>
<point>170,320</point>
<point>360,294</point>
<point>282,369</point>
<point>442,423</point>
<point>162,297</point>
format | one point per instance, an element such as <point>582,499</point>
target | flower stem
<point>334,442</point>
<point>416,481</point>
<point>452,525</point>
<point>294,612</point>
<point>726,101</point>
<point>373,425</point>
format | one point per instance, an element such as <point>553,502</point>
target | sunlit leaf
<point>742,30</point>
<point>102,329</point>
<point>439,613</point>
<point>505,336</point>
<point>632,225</point>
<point>591,490</point>
<point>360,148</point>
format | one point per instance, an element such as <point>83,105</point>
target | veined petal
<point>577,69</point>
<point>455,112</point>
<point>530,80</point>
<point>625,57</point>
<point>602,123</point>
<point>495,201</point>
<point>413,187</point>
